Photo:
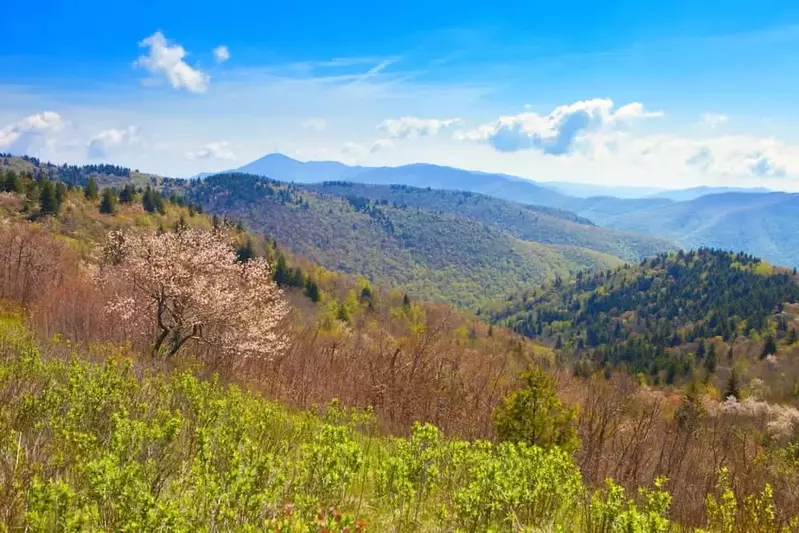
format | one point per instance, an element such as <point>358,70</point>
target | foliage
<point>108,204</point>
<point>131,450</point>
<point>91,189</point>
<point>49,203</point>
<point>639,315</point>
<point>534,415</point>
<point>436,254</point>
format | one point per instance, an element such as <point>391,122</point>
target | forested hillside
<point>667,317</point>
<point>545,225</point>
<point>448,246</point>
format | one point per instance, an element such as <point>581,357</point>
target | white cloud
<point>26,129</point>
<point>167,60</point>
<point>221,54</point>
<point>213,150</point>
<point>99,146</point>
<point>713,120</point>
<point>315,124</point>
<point>412,127</point>
<point>730,158</point>
<point>380,145</point>
<point>559,131</point>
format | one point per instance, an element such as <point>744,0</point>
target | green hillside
<point>652,317</point>
<point>546,225</point>
<point>434,254</point>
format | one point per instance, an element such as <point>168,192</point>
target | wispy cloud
<point>221,54</point>
<point>100,144</point>
<point>713,120</point>
<point>410,127</point>
<point>315,124</point>
<point>213,150</point>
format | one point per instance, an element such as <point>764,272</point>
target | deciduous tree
<point>187,286</point>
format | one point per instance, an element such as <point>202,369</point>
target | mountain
<point>763,224</point>
<point>439,245</point>
<point>682,195</point>
<point>653,316</point>
<point>586,190</point>
<point>545,225</point>
<point>282,167</point>
<point>503,186</point>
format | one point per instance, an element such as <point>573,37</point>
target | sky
<point>659,94</point>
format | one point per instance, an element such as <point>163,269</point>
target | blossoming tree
<point>188,286</point>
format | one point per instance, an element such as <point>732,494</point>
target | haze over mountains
<point>757,221</point>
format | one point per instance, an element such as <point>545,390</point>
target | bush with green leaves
<point>536,416</point>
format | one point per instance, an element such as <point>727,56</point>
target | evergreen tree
<point>127,195</point>
<point>770,347</point>
<point>710,361</point>
<point>48,202</point>
<point>733,386</point>
<point>13,183</point>
<point>91,190</point>
<point>406,302</point>
<point>60,193</point>
<point>108,204</point>
<point>701,350</point>
<point>312,290</point>
<point>366,294</point>
<point>246,251</point>
<point>152,201</point>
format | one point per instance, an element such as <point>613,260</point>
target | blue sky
<point>669,94</point>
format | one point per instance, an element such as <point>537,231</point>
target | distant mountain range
<point>757,221</point>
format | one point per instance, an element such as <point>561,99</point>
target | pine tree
<point>91,190</point>
<point>48,202</point>
<point>60,193</point>
<point>769,348</point>
<point>710,360</point>
<point>702,349</point>
<point>312,290</point>
<point>245,252</point>
<point>127,195</point>
<point>14,183</point>
<point>108,204</point>
<point>733,386</point>
<point>406,302</point>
